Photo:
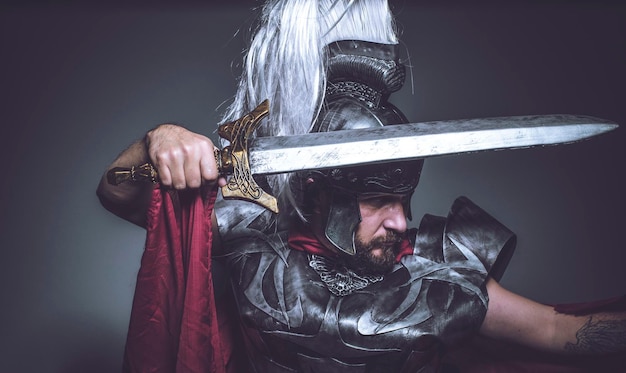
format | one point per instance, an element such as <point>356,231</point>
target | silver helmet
<point>361,77</point>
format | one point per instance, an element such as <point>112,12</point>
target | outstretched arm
<point>517,319</point>
<point>183,159</point>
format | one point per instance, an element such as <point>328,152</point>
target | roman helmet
<point>361,77</point>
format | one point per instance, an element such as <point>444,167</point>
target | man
<point>335,282</point>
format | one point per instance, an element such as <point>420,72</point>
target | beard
<point>366,261</point>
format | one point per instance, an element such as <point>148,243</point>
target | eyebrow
<point>379,195</point>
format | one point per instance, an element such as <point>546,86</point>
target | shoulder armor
<point>469,226</point>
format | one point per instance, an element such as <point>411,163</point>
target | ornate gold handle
<point>231,160</point>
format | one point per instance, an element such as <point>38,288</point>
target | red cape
<point>173,324</point>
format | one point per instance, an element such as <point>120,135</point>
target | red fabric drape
<point>173,325</point>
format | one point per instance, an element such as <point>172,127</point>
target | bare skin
<point>597,336</point>
<point>514,318</point>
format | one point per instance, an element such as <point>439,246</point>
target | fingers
<point>208,167</point>
<point>184,159</point>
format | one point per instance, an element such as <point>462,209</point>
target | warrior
<point>341,285</point>
<point>336,282</point>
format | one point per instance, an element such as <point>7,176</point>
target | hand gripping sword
<point>246,156</point>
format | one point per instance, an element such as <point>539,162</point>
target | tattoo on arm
<point>599,337</point>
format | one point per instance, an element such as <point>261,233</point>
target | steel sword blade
<point>270,155</point>
<point>246,156</point>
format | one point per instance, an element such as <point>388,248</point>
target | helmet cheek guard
<point>344,216</point>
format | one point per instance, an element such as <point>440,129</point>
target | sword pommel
<point>234,160</point>
<point>142,172</point>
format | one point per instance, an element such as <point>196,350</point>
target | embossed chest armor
<point>431,301</point>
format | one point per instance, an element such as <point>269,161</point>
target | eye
<point>374,202</point>
<point>377,201</point>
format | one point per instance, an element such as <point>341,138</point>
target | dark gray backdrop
<point>80,82</point>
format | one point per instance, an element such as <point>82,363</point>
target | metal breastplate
<point>430,301</point>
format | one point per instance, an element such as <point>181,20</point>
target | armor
<point>294,319</point>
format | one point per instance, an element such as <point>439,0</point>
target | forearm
<point>513,318</point>
<point>127,200</point>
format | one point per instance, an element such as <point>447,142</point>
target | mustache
<point>390,238</point>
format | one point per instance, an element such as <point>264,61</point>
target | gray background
<point>80,82</point>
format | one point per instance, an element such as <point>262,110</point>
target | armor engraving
<point>340,280</point>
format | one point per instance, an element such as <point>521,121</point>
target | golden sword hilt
<point>232,160</point>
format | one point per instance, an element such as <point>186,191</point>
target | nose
<point>395,218</point>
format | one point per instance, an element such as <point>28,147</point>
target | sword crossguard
<point>233,159</point>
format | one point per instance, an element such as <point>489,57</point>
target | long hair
<point>286,60</point>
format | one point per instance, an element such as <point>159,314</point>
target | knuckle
<point>161,157</point>
<point>165,181</point>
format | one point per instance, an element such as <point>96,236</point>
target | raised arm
<point>517,319</point>
<point>183,159</point>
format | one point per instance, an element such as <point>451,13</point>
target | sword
<point>246,156</point>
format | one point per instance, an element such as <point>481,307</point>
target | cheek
<point>368,227</point>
